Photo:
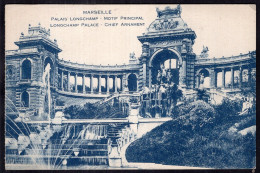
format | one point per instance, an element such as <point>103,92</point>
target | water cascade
<point>46,82</point>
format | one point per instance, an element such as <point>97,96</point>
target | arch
<point>160,50</point>
<point>158,59</point>
<point>25,99</point>
<point>132,82</point>
<point>48,60</point>
<point>26,69</point>
<point>204,78</point>
<point>204,71</point>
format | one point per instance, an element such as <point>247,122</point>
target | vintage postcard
<point>130,87</point>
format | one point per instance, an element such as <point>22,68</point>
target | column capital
<point>144,59</point>
<point>232,67</point>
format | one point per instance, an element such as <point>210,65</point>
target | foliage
<point>196,114</point>
<point>94,110</point>
<point>174,93</point>
<point>60,102</point>
<point>227,109</point>
<point>202,94</point>
<point>197,138</point>
<point>133,100</point>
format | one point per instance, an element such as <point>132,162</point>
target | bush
<point>196,138</point>
<point>227,109</point>
<point>196,114</point>
<point>94,110</point>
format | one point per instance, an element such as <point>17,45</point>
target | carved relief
<point>164,43</point>
<point>10,72</point>
<point>164,24</point>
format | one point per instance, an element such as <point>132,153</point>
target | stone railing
<point>21,51</point>
<point>37,37</point>
<point>231,59</point>
<point>98,67</point>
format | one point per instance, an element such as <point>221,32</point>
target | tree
<point>202,95</point>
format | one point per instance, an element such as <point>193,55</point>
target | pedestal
<point>114,159</point>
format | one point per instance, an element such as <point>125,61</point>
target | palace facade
<point>167,54</point>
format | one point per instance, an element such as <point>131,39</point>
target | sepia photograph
<point>158,86</point>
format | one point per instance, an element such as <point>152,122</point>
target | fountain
<point>46,74</point>
<point>53,144</point>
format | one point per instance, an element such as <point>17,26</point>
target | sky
<point>226,29</point>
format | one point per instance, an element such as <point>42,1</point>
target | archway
<point>26,69</point>
<point>204,78</point>
<point>25,99</point>
<point>46,62</point>
<point>132,82</point>
<point>164,67</point>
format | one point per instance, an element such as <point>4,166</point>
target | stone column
<point>150,77</point>
<point>223,78</point>
<point>83,84</point>
<point>232,77</point>
<point>216,78</point>
<point>115,83</point>
<point>107,84</point>
<point>183,72</point>
<point>123,82</point>
<point>76,83</point>
<point>68,81</point>
<point>144,72</point>
<point>62,80</point>
<point>240,77</point>
<point>91,83</point>
<point>99,84</point>
<point>212,78</point>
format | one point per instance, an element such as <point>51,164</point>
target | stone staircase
<point>114,133</point>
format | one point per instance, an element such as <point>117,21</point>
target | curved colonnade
<point>226,72</point>
<point>92,80</point>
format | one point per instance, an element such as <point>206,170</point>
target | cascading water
<point>93,132</point>
<point>46,82</point>
<point>54,146</point>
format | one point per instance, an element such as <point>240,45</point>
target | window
<point>26,69</point>
<point>25,99</point>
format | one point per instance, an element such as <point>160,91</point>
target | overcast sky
<point>226,29</point>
